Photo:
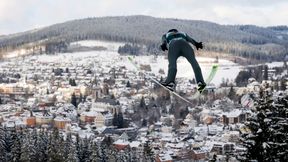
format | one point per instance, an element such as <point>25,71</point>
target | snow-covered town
<point>99,95</point>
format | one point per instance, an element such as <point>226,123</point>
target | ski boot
<point>201,87</point>
<point>171,85</point>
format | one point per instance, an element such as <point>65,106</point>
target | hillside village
<point>96,99</point>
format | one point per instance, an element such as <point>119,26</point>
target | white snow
<point>134,144</point>
<point>265,145</point>
<point>16,53</point>
<point>111,46</point>
<point>233,114</point>
<point>89,113</point>
<point>60,118</point>
<point>121,142</point>
<point>275,64</point>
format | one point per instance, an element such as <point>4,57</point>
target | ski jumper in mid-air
<point>177,44</point>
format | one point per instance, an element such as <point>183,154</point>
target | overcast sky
<point>22,15</point>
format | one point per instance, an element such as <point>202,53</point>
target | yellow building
<point>61,122</point>
<point>103,119</point>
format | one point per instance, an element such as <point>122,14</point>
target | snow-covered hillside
<point>110,46</point>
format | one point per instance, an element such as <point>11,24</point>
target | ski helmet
<point>172,30</point>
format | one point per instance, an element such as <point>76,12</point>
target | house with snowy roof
<point>88,116</point>
<point>104,118</point>
<point>165,157</point>
<point>183,154</point>
<point>221,148</point>
<point>122,142</point>
<point>231,136</point>
<point>233,117</point>
<point>137,148</point>
<point>199,153</point>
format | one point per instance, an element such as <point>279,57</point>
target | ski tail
<point>212,74</point>
<point>130,58</point>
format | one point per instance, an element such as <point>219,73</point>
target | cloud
<point>19,15</point>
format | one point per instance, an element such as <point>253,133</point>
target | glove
<point>163,47</point>
<point>199,45</point>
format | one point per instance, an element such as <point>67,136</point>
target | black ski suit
<point>177,44</point>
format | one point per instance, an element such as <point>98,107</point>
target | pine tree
<point>54,147</point>
<point>84,151</point>
<point>33,152</point>
<point>148,153</point>
<point>142,103</point>
<point>60,148</point>
<point>115,119</point>
<point>25,147</point>
<point>265,75</point>
<point>128,85</point>
<point>2,145</point>
<point>103,153</point>
<point>120,120</point>
<point>267,140</point>
<point>42,146</point>
<point>74,100</point>
<point>144,123</point>
<point>7,137</point>
<point>67,144</point>
<point>16,148</point>
<point>72,82</point>
<point>72,154</point>
<point>95,157</point>
<point>232,93</point>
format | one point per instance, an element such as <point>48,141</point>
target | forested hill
<point>243,40</point>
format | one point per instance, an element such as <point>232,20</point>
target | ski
<point>158,83</point>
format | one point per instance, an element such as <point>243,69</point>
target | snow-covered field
<point>111,46</point>
<point>17,53</point>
